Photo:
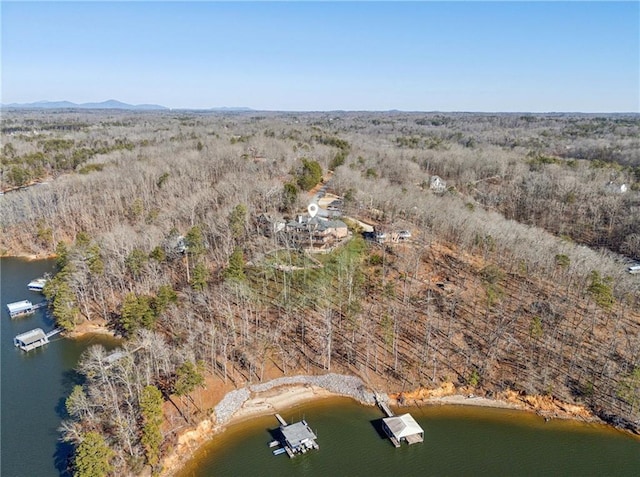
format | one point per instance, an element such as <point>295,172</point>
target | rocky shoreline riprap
<point>343,385</point>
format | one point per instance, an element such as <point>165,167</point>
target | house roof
<point>403,426</point>
<point>335,224</point>
<point>320,224</point>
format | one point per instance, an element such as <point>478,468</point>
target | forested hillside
<point>513,274</point>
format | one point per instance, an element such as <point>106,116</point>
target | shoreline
<point>30,256</point>
<point>280,394</point>
<point>87,328</point>
<point>544,406</point>
<point>189,442</point>
<point>261,399</point>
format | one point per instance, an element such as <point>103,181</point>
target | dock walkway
<point>383,405</point>
<point>54,332</point>
<point>281,420</point>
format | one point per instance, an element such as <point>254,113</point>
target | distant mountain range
<point>109,104</point>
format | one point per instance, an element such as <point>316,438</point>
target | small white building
<point>18,308</point>
<point>437,184</point>
<point>403,428</point>
<point>31,339</point>
<point>37,284</point>
<point>616,188</point>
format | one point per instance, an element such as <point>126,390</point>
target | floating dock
<point>399,429</point>
<point>37,284</point>
<point>22,308</point>
<point>34,338</point>
<point>296,438</point>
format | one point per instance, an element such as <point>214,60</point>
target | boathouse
<point>37,284</point>
<point>31,339</point>
<point>18,308</point>
<point>297,438</point>
<point>403,428</point>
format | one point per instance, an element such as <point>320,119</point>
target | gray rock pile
<point>350,386</point>
<point>230,404</point>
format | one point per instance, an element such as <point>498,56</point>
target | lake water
<point>34,385</point>
<point>458,441</point>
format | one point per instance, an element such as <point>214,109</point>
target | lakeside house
<point>269,225</point>
<point>315,233</point>
<point>305,232</point>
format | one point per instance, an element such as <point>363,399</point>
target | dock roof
<point>31,337</point>
<point>19,306</point>
<point>403,426</point>
<point>296,433</point>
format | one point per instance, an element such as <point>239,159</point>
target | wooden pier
<point>54,332</point>
<point>384,405</point>
<point>296,438</point>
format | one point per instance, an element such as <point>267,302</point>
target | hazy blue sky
<point>447,56</point>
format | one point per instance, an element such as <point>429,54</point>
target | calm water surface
<point>458,441</point>
<point>34,385</point>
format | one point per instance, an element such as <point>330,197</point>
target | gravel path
<point>336,383</point>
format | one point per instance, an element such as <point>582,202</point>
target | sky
<point>321,56</point>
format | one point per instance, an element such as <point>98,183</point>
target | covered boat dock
<point>34,338</point>
<point>37,284</point>
<point>403,428</point>
<point>24,307</point>
<point>399,429</point>
<point>297,438</point>
<point>31,339</point>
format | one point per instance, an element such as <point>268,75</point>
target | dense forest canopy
<point>171,228</point>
